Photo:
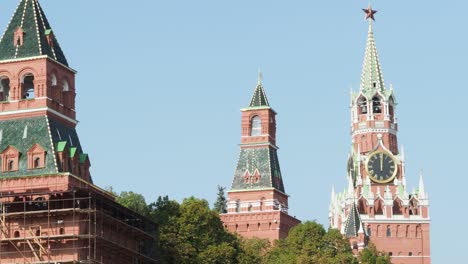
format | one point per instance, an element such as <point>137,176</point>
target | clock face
<point>381,167</point>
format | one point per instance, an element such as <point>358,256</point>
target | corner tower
<point>377,205</point>
<point>50,210</point>
<point>257,201</point>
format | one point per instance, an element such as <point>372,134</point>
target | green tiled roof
<point>372,76</point>
<point>259,97</point>
<point>353,223</point>
<point>265,161</point>
<point>72,152</point>
<point>30,17</point>
<point>25,133</point>
<point>83,158</point>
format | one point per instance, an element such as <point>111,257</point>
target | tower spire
<point>372,76</point>
<point>259,98</point>
<point>29,34</point>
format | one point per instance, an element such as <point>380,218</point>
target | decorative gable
<point>36,157</point>
<point>10,159</point>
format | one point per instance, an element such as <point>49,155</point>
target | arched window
<point>410,254</point>
<point>256,126</point>
<point>407,231</point>
<point>28,87</point>
<point>65,86</point>
<point>397,207</point>
<point>376,105</point>
<point>53,80</point>
<point>250,207</point>
<point>362,206</point>
<point>237,205</point>
<point>378,207</point>
<point>379,231</point>
<point>418,231</point>
<point>16,234</point>
<point>4,89</point>
<point>362,105</point>
<point>37,162</point>
<point>369,230</point>
<point>398,231</point>
<point>389,231</point>
<point>11,165</point>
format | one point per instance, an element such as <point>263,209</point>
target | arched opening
<point>378,207</point>
<point>28,87</point>
<point>362,205</point>
<point>414,207</point>
<point>397,208</point>
<point>391,106</point>
<point>262,204</point>
<point>256,126</point>
<point>407,232</point>
<point>362,105</point>
<point>418,231</point>
<point>4,89</point>
<point>390,254</point>
<point>37,162</point>
<point>16,234</point>
<point>53,80</point>
<point>398,231</point>
<point>11,165</point>
<point>237,206</point>
<point>369,230</point>
<point>410,254</point>
<point>250,207</point>
<point>389,231</point>
<point>376,105</point>
<point>379,230</point>
<point>65,86</point>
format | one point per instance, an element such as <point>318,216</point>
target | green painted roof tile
<point>61,146</point>
<point>83,158</point>
<point>259,97</point>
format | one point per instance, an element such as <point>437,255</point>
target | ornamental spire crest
<point>372,76</point>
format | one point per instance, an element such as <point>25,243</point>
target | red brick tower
<point>50,211</point>
<point>377,205</point>
<point>257,202</point>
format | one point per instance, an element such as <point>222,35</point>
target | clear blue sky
<point>160,85</point>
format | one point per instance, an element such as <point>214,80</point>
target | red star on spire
<point>370,13</point>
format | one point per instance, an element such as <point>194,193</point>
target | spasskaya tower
<point>377,205</point>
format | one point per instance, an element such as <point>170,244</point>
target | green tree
<point>134,201</point>
<point>253,250</point>
<point>371,255</point>
<point>220,205</point>
<point>310,243</point>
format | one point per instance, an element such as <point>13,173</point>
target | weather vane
<point>370,13</point>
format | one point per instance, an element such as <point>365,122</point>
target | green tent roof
<point>30,17</point>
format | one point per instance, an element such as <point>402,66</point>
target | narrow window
<point>28,87</point>
<point>11,165</point>
<point>390,254</point>
<point>37,162</point>
<point>4,89</point>
<point>256,126</point>
<point>62,231</point>
<point>407,231</point>
<point>250,207</point>
<point>418,231</point>
<point>237,205</point>
<point>16,234</point>
<point>374,84</point>
<point>376,105</point>
<point>410,254</point>
<point>369,231</point>
<point>389,231</point>
<point>362,105</point>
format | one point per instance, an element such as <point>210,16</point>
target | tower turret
<point>393,219</point>
<point>257,187</point>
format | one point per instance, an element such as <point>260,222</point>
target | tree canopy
<point>192,233</point>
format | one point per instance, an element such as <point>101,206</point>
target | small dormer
<point>36,157</point>
<point>62,156</point>
<point>10,159</point>
<point>85,164</point>
<point>18,39</point>
<point>49,34</point>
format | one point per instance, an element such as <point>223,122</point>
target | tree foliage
<point>220,205</point>
<point>191,233</point>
